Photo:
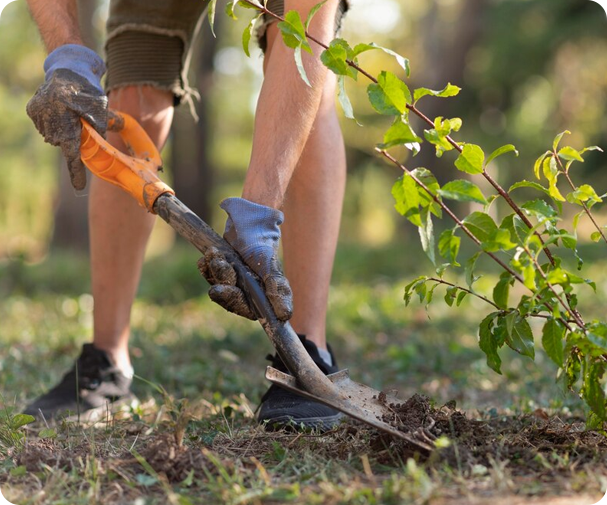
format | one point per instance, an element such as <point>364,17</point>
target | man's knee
<point>145,103</point>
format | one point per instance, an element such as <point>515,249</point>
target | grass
<point>211,364</point>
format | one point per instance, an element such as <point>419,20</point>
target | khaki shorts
<point>149,42</point>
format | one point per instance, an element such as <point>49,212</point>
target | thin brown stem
<point>573,313</point>
<point>485,299</point>
<point>501,191</point>
<point>449,212</point>
<point>462,225</point>
<point>469,291</point>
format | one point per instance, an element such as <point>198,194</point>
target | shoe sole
<point>310,423</point>
<point>103,413</point>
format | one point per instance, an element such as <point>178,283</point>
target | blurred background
<point>529,69</point>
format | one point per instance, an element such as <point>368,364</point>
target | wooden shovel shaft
<point>283,337</point>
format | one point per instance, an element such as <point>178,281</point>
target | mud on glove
<point>72,90</point>
<point>253,231</point>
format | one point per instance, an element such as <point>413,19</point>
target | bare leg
<point>312,216</point>
<point>286,109</point>
<point>119,228</point>
<point>312,207</point>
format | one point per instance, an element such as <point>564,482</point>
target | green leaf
<point>538,164</point>
<point>501,291</point>
<point>585,193</point>
<point>407,199</point>
<point>300,66</point>
<point>591,148</point>
<point>481,225</point>
<point>488,343</point>
<point>448,246</point>
<point>20,420</point>
<point>469,270</point>
<point>460,297</point>
<point>570,154</point>
<point>335,58</point>
<point>449,91</point>
<point>501,151</point>
<point>552,340</point>
<point>231,6</point>
<point>412,286</point>
<point>529,277</point>
<point>427,178</point>
<point>230,9</point>
<point>450,295</point>
<point>399,133</point>
<point>541,210</point>
<point>421,289</point>
<point>592,390</point>
<point>595,236</point>
<point>561,276</point>
<point>597,335</point>
<point>313,11</point>
<point>344,101</point>
<point>550,168</point>
<point>390,95</point>
<point>471,160</point>
<point>529,184</point>
<point>211,15</point>
<point>248,33</point>
<point>293,31</point>
<point>462,191</point>
<point>426,234</point>
<point>438,135</point>
<point>557,139</point>
<point>520,337</point>
<point>403,62</point>
<point>498,240</point>
<point>514,224</point>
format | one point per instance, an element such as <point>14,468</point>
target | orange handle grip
<point>135,174</point>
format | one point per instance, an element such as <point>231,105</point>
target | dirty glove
<point>72,90</point>
<point>253,231</point>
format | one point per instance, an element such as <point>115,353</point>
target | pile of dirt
<point>522,440</point>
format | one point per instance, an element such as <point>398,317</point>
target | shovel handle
<point>135,174</point>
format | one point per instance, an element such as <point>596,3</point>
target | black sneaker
<point>281,408</point>
<point>93,389</point>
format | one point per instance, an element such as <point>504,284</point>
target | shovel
<point>137,175</point>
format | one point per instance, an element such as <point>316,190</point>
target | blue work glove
<point>71,90</point>
<point>253,231</point>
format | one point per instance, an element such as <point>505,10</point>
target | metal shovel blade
<point>357,400</point>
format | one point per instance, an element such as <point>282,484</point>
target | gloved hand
<point>72,90</point>
<point>253,231</point>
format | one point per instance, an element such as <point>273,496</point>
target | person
<point>297,166</point>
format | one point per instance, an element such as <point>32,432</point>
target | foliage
<point>527,244</point>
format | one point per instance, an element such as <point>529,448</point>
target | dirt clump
<point>526,442</point>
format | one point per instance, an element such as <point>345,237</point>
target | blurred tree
<point>191,162</point>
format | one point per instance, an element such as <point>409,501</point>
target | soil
<point>533,454</point>
<point>522,440</point>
